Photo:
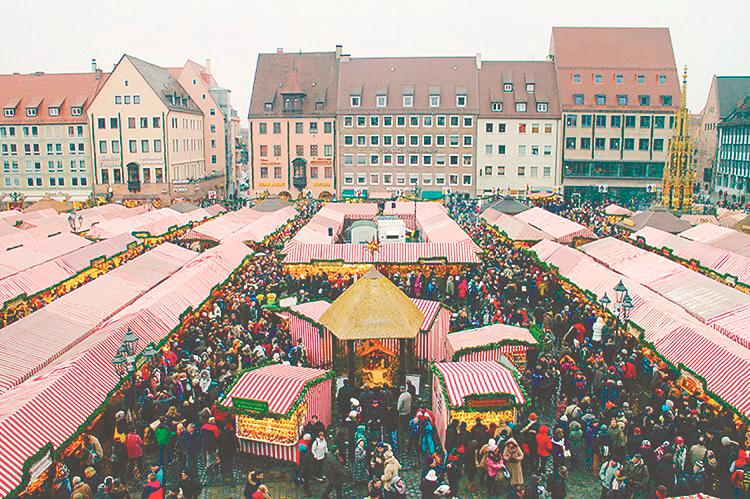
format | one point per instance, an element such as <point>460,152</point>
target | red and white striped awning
<point>516,229</point>
<point>561,229</point>
<point>472,378</point>
<point>279,385</point>
<point>494,333</point>
<point>460,252</point>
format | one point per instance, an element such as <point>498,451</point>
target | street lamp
<point>622,308</point>
<point>75,222</point>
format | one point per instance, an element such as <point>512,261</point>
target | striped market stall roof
<point>475,378</point>
<point>494,333</point>
<point>719,237</point>
<point>516,229</point>
<point>38,339</point>
<point>138,221</point>
<point>40,277</point>
<point>678,336</point>
<point>314,310</point>
<point>279,385</point>
<point>561,229</point>
<point>264,226</point>
<point>84,374</point>
<point>463,252</point>
<point>31,252</point>
<point>617,211</point>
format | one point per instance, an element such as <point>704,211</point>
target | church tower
<point>679,171</point>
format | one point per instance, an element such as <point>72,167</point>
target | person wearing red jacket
<point>134,446</point>
<point>543,448</point>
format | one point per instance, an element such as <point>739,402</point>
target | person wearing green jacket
<point>575,437</point>
<point>164,437</point>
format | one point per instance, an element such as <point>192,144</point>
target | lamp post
<point>622,307</point>
<point>125,360</point>
<point>75,222</point>
<point>417,192</point>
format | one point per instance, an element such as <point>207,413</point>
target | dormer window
<point>508,87</point>
<point>292,103</point>
<point>408,100</point>
<point>268,106</point>
<point>76,111</point>
<point>54,111</point>
<point>381,100</point>
<point>30,112</point>
<point>520,107</point>
<point>497,107</point>
<point>542,107</point>
<point>530,88</point>
<point>460,100</point>
<point>10,112</point>
<point>355,100</point>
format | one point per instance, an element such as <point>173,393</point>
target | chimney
<point>94,68</point>
<point>208,66</point>
<point>279,50</point>
<point>478,60</point>
<point>339,50</point>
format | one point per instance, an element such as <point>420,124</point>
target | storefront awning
<point>432,195</point>
<point>352,193</point>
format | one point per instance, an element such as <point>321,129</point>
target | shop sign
<point>494,402</point>
<point>250,404</point>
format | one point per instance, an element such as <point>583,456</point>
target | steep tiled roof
<point>611,51</point>
<point>730,91</point>
<point>45,91</point>
<point>164,84</point>
<point>316,77</point>
<point>399,76</point>
<point>495,74</point>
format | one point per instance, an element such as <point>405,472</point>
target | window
<point>434,100</point>
<point>388,140</point>
<point>586,143</point>
<point>276,172</point>
<point>460,100</point>
<point>467,141</point>
<point>387,159</point>
<point>453,140</point>
<point>547,150</point>
<point>267,106</point>
<point>571,120</point>
<point>116,147</point>
<point>658,144</point>
<point>375,121</point>
<point>413,121</point>
<point>102,146</point>
<point>427,121</point>
<point>374,140</point>
<point>132,146</point>
<point>9,113</point>
<point>658,121</point>
<point>570,142</point>
<point>361,159</point>
<point>645,122</point>
<point>413,159</point>
<point>276,150</point>
<point>348,121</point>
<point>534,172</point>
<point>468,121</point>
<point>629,144</point>
<point>466,179</point>
<point>144,145</point>
<point>578,99</point>
<point>454,121</point>
<point>619,79</point>
<point>440,121</point>
<point>127,99</point>
<point>530,88</point>
<point>643,144</point>
<point>601,121</point>
<point>497,107</point>
<point>408,100</point>
<point>666,100</point>
<point>600,143</point>
<point>640,79</point>
<point>520,107</point>
<point>601,99</point>
<point>137,100</point>
<point>630,121</point>
<point>576,78</point>
<point>427,140</point>
<point>355,100</point>
<point>118,99</point>
<point>662,79</point>
<point>535,150</point>
<point>522,150</point>
<point>440,140</point>
<point>299,150</point>
<point>598,78</point>
<point>313,127</point>
<point>374,159</point>
<point>76,111</point>
<point>644,100</point>
<point>453,160</point>
<point>31,111</point>
<point>263,151</point>
<point>155,122</point>
<point>299,127</point>
<point>487,171</point>
<point>585,120</point>
<point>501,149</point>
<point>54,111</point>
<point>262,128</point>
<point>615,121</point>
<point>361,140</point>
<point>427,160</point>
<point>387,121</point>
<point>521,171</point>
<point>113,122</point>
<point>157,145</point>
<point>542,107</point>
<point>508,87</point>
<point>381,100</point>
<point>374,178</point>
<point>327,127</point>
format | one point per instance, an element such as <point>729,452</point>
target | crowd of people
<point>600,411</point>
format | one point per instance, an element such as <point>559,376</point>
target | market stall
<point>273,403</point>
<point>468,390</point>
<point>491,343</point>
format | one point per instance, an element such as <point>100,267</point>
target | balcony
<point>613,169</point>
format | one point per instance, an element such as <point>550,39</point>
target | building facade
<point>725,93</point>
<point>618,107</point>
<point>292,123</point>
<point>518,132</point>
<point>148,136</point>
<point>45,142</point>
<point>407,124</point>
<point>733,154</point>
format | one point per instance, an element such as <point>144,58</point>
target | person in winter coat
<point>153,488</point>
<point>575,437</point>
<point>227,445</point>
<point>495,465</point>
<point>556,483</point>
<point>543,448</point>
<point>616,432</point>
<point>560,449</point>
<point>334,471</point>
<point>80,487</point>
<point>453,464</point>
<point>191,488</point>
<point>134,446</point>
<point>164,437</point>
<point>306,469</point>
<point>607,476</point>
<point>429,485</point>
<point>359,468</point>
<point>665,472</point>
<point>513,457</point>
<point>636,473</point>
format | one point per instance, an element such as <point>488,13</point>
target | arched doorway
<point>299,173</point>
<point>325,196</point>
<point>285,196</point>
<point>134,177</point>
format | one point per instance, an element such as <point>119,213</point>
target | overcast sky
<point>711,37</point>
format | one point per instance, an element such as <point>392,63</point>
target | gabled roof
<point>730,90</point>
<point>44,91</point>
<point>657,217</point>
<point>508,205</point>
<point>493,76</point>
<point>316,77</point>
<point>164,84</point>
<point>740,115</point>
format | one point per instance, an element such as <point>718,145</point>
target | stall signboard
<point>250,404</point>
<point>491,402</point>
